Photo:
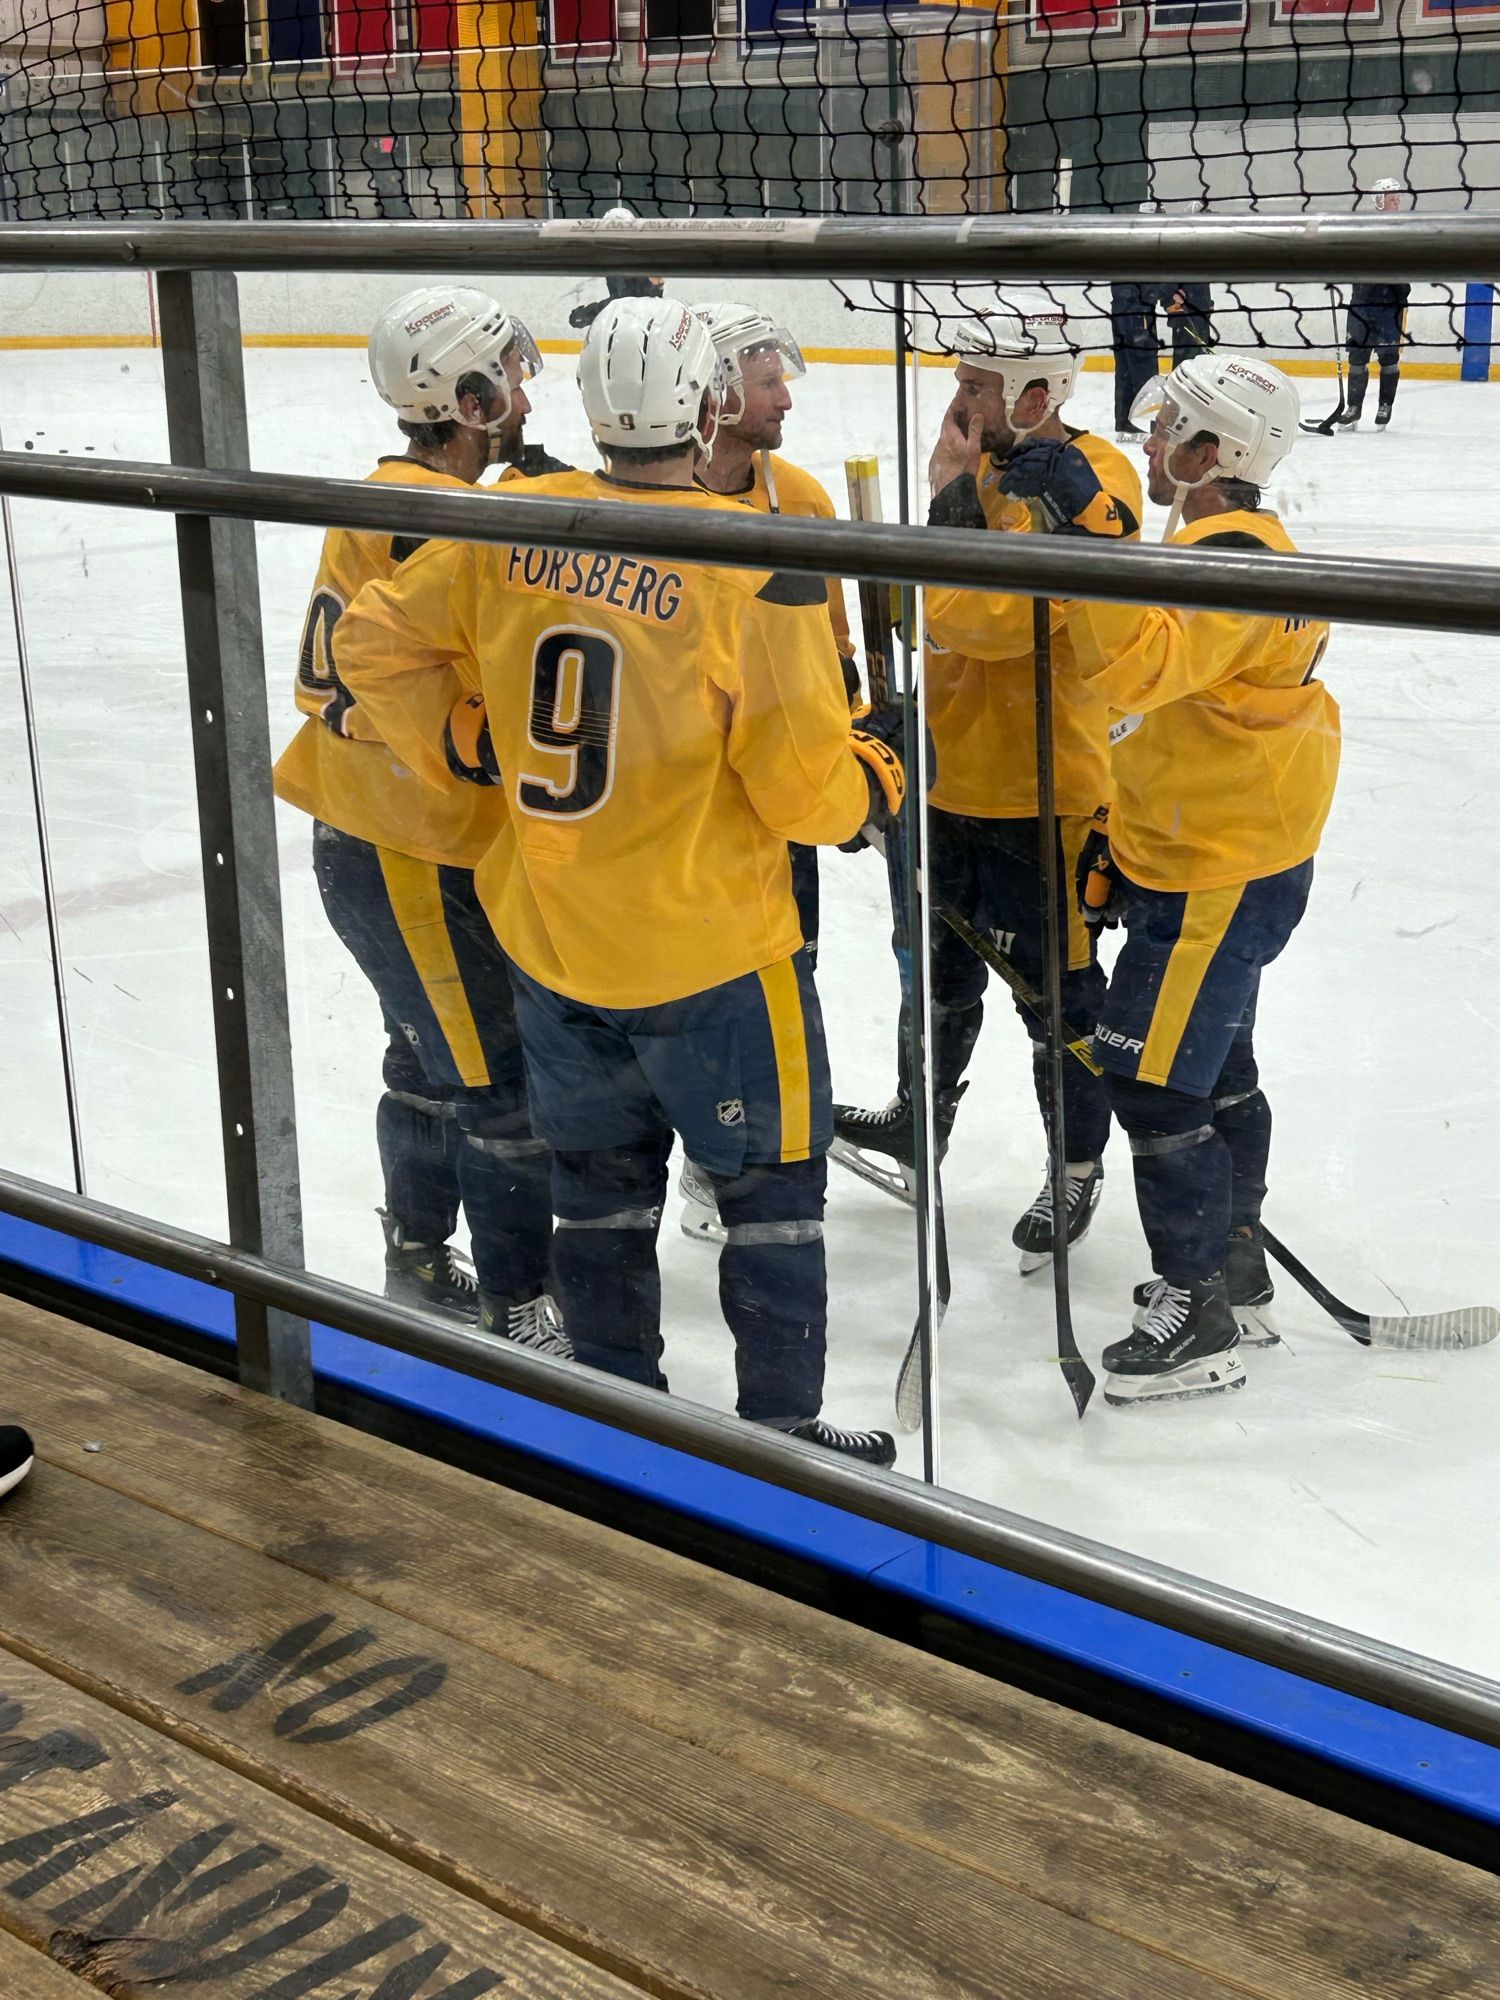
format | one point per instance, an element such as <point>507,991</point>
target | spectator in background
<point>1137,345</point>
<point>617,288</point>
<point>1189,310</point>
<point>1375,325</point>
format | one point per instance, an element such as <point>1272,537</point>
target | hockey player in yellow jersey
<point>394,861</point>
<point>658,733</point>
<point>761,360</point>
<point>1226,751</point>
<point>1014,373</point>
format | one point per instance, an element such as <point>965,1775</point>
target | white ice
<point>1353,1485</point>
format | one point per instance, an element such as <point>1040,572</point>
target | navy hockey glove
<point>1101,897</point>
<point>1058,476</point>
<point>466,743</point>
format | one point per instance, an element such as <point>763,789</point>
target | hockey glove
<point>1101,897</point>
<point>1061,480</point>
<point>878,740</point>
<point>467,745</point>
<point>852,689</point>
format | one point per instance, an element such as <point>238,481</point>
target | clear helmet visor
<point>523,348</point>
<point>778,343</point>
<point>1155,406</point>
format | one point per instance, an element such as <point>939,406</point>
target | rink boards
<point>288,1710</point>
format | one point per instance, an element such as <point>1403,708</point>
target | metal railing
<point>216,498</point>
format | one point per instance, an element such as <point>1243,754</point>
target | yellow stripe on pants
<point>789,1041</point>
<point>417,904</point>
<point>1206,916</point>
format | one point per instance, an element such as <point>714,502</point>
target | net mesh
<point>413,108</point>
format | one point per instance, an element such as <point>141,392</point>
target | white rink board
<point>1354,1486</point>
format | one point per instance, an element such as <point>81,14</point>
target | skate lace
<point>1169,1309</point>
<point>451,1268</point>
<point>1041,1209</point>
<point>537,1324</point>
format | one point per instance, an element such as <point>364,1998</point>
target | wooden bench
<point>406,1732</point>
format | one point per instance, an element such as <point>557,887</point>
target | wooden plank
<point>1270,1894</point>
<point>149,1870</point>
<point>26,1975</point>
<point>639,1851</point>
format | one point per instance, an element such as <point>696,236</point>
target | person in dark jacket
<point>1189,310</point>
<point>1375,324</point>
<point>617,288</point>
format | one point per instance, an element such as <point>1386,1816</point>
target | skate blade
<point>889,1179</point>
<point>1209,1377</point>
<point>1032,1261</point>
<point>1257,1328</point>
<point>701,1226</point>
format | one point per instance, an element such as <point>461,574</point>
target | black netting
<point>413,108</point>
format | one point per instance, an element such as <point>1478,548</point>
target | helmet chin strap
<point>1181,488</point>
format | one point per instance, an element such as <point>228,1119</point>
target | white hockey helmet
<point>738,331</point>
<point>619,215</point>
<point>1249,405</point>
<point>646,366</point>
<point>427,342</point>
<point>1388,192</point>
<point>1023,339</point>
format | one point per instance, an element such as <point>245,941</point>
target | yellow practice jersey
<point>336,767</point>
<point>1226,748</point>
<point>981,695</point>
<point>800,495</point>
<point>662,730</point>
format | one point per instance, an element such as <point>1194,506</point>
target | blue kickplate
<point>1434,1764</point>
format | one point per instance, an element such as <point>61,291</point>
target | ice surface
<point>1350,1484</point>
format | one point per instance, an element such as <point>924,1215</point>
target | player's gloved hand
<point>852,688</point>
<point>1101,892</point>
<point>1058,476</point>
<point>878,740</point>
<point>466,743</point>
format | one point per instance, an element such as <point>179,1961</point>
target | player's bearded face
<point>767,400</point>
<point>505,443</point>
<point>981,393</point>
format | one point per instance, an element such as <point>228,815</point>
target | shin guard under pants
<point>1085,1101</point>
<point>773,1287</point>
<point>605,1275</point>
<point>1184,1174</point>
<point>505,1178</point>
<point>416,1138</point>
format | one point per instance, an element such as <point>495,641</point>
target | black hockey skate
<point>1032,1235</point>
<point>869,1447</point>
<point>537,1324</point>
<point>1187,1345</point>
<point>1248,1282</point>
<point>880,1146</point>
<point>1382,416</point>
<point>429,1275</point>
<point>1346,420</point>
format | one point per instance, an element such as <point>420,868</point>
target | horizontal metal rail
<point>1428,1689</point>
<point>1042,248</point>
<point>1452,597</point>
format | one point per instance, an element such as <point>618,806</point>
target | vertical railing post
<point>220,589</point>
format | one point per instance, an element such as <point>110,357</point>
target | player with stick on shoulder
<point>394,861</point>
<point>761,360</point>
<point>659,731</point>
<point>1225,753</point>
<point>1014,370</point>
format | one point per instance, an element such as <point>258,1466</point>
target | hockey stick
<point>862,476</point>
<point>1325,428</point>
<point>1075,1370</point>
<point>1464,1326</point>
